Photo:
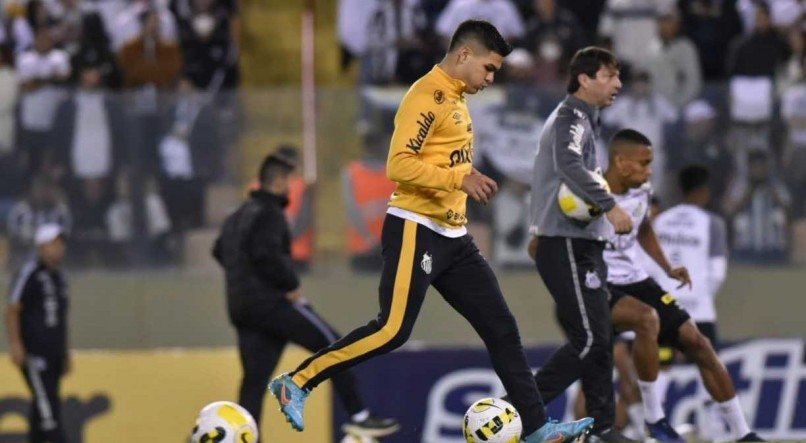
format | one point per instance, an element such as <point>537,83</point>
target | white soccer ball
<point>492,420</point>
<point>577,208</point>
<point>224,422</point>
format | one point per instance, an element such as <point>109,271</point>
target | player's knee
<point>648,322</point>
<point>395,338</point>
<point>503,336</point>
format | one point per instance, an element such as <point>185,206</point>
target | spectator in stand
<point>386,36</point>
<point>507,134</point>
<point>793,110</point>
<point>186,151</point>
<point>24,28</point>
<point>44,204</point>
<point>753,63</point>
<point>704,144</point>
<point>299,212</point>
<point>501,13</point>
<point>648,112</point>
<point>11,175</point>
<point>150,60</point>
<point>365,192</point>
<point>208,35</point>
<point>711,25</point>
<point>675,67</point>
<point>69,17</point>
<point>89,130</point>
<point>8,90</point>
<point>128,24</point>
<point>419,46</point>
<point>762,52</point>
<point>40,72</point>
<point>793,72</point>
<point>151,65</point>
<point>95,50</point>
<point>758,207</point>
<point>553,35</point>
<point>633,26</point>
<point>784,13</point>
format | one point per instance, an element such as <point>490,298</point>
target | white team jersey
<point>621,253</point>
<point>692,237</point>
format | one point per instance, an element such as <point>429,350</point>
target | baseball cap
<point>46,233</point>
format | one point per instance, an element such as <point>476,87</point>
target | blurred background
<point>138,125</point>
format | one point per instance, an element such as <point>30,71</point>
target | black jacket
<point>254,249</point>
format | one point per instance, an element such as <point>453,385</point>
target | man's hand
<point>17,354</point>
<point>680,274</point>
<point>293,296</point>
<point>532,248</point>
<point>620,220</point>
<point>479,187</point>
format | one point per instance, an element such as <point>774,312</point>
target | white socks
<point>361,416</point>
<point>653,409</point>
<point>732,414</point>
<point>636,413</point>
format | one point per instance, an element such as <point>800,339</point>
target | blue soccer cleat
<point>291,398</point>
<point>662,431</point>
<point>555,432</point>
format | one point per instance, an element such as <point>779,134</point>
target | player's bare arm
<point>649,241</point>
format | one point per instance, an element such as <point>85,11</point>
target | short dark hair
<point>630,136</point>
<point>482,32</point>
<point>692,178</point>
<point>588,61</point>
<point>274,166</point>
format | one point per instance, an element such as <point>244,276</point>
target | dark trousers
<point>415,257</point>
<point>43,376</point>
<point>261,342</point>
<point>576,275</point>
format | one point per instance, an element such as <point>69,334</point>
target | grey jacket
<point>566,154</point>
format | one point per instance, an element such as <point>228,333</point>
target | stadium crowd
<point>117,114</point>
<point>715,82</point>
<point>111,121</point>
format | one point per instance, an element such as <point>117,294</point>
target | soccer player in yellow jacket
<point>425,241</point>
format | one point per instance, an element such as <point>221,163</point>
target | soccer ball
<point>492,420</point>
<point>224,422</point>
<point>576,208</point>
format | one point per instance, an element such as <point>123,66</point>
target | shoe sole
<point>583,436</point>
<point>283,409</point>
<point>358,431</point>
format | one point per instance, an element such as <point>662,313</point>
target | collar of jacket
<point>268,197</point>
<point>591,111</point>
<point>453,84</point>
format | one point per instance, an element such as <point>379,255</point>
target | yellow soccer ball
<point>224,422</point>
<point>492,420</point>
<point>575,207</point>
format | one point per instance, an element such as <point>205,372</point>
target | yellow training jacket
<point>432,150</point>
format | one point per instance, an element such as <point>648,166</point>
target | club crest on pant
<point>592,280</point>
<point>425,263</point>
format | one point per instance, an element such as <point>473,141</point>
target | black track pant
<point>575,273</point>
<point>415,257</point>
<point>43,376</point>
<point>261,344</point>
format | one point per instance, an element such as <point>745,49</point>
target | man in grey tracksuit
<point>569,252</point>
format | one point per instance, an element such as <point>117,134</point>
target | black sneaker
<point>609,436</point>
<point>663,432</point>
<point>751,437</point>
<point>371,427</point>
